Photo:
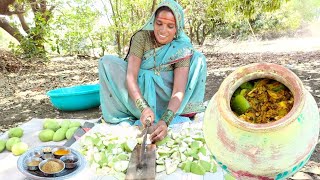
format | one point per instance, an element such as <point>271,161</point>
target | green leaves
<point>98,27</point>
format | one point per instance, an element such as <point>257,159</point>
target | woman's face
<point>165,27</point>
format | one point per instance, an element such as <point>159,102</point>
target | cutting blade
<point>143,145</point>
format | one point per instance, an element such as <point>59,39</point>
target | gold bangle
<point>141,104</point>
<point>167,116</point>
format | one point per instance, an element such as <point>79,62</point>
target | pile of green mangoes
<point>14,143</point>
<point>55,131</point>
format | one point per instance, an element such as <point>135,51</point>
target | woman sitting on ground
<point>162,76</point>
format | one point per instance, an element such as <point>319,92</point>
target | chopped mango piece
<point>240,104</point>
<point>197,169</point>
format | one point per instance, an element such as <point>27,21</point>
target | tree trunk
<point>33,43</point>
<point>13,31</point>
<point>4,7</point>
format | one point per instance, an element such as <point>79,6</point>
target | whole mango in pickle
<point>19,148</point>
<point>74,124</point>
<point>2,145</point>
<point>46,135</point>
<point>65,123</point>
<point>15,132</point>
<point>70,132</point>
<point>11,142</point>
<point>60,134</point>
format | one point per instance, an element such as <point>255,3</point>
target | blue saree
<point>116,104</point>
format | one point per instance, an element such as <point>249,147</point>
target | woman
<point>162,75</point>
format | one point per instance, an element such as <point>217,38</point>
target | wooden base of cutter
<point>146,171</point>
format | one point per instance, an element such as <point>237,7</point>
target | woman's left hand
<point>160,131</point>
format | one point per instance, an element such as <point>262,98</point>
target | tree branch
<point>24,25</point>
<point>43,6</point>
<point>50,13</point>
<point>13,31</point>
<point>34,6</point>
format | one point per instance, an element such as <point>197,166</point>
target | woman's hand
<point>147,112</point>
<point>160,131</point>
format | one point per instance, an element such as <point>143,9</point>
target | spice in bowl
<point>46,150</point>
<point>32,163</point>
<point>70,161</point>
<point>60,151</point>
<point>51,166</point>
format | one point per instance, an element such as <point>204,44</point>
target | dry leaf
<point>301,176</point>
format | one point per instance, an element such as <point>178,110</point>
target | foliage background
<point>98,27</point>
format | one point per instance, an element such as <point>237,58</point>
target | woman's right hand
<point>147,112</point>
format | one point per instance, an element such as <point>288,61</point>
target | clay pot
<point>261,151</point>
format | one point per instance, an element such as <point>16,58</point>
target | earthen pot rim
<point>257,71</point>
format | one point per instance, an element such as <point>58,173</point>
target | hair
<point>163,8</point>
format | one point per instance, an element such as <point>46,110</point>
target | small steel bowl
<point>47,156</point>
<point>33,163</point>
<point>46,150</point>
<point>61,163</point>
<point>60,148</point>
<point>70,161</point>
<point>35,154</point>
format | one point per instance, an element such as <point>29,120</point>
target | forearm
<point>175,101</point>
<point>132,77</point>
<point>133,89</point>
<point>179,86</point>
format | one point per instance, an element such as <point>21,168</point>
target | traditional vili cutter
<point>142,163</point>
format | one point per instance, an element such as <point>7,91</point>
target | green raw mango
<point>19,148</point>
<point>60,134</point>
<point>45,123</point>
<point>46,135</point>
<point>278,88</point>
<point>54,125</point>
<point>203,150</point>
<point>206,165</point>
<point>195,145</point>
<point>236,93</point>
<point>130,144</point>
<point>213,168</point>
<point>74,124</point>
<point>247,85</point>
<point>240,104</point>
<point>187,166</point>
<point>163,141</point>
<point>11,142</point>
<point>2,145</point>
<point>15,132</point>
<point>65,123</point>
<point>70,132</point>
<point>197,169</point>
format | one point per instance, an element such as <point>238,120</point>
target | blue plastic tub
<point>75,98</point>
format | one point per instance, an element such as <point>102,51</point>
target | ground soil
<point>23,84</point>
